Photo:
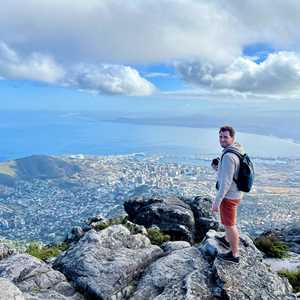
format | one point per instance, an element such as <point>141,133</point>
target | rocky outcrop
<point>250,279</point>
<point>182,219</point>
<point>105,264</point>
<point>33,279</point>
<point>113,259</point>
<point>183,274</point>
<point>8,291</point>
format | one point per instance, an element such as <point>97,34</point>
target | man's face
<point>225,139</point>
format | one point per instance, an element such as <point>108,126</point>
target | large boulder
<point>182,219</point>
<point>8,291</point>
<point>251,279</point>
<point>183,274</point>
<point>204,220</point>
<point>291,236</point>
<point>36,279</point>
<point>105,264</point>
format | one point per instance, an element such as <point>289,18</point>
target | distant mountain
<point>35,166</point>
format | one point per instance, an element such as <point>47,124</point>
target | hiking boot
<point>228,256</point>
<point>223,241</point>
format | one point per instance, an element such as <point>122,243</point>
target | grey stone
<point>251,279</point>
<point>75,234</point>
<point>183,274</point>
<point>176,245</point>
<point>172,215</point>
<point>5,251</point>
<point>34,277</point>
<point>105,264</point>
<point>182,218</point>
<point>8,291</point>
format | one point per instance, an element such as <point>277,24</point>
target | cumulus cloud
<point>104,78</point>
<point>95,39</point>
<point>121,32</point>
<point>278,74</point>
<point>110,79</point>
<point>32,67</point>
<point>125,32</point>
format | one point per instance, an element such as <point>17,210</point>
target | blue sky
<point>198,51</point>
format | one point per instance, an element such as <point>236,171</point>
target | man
<point>228,196</point>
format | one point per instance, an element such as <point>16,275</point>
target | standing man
<point>228,196</point>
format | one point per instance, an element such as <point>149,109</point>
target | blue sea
<point>56,133</point>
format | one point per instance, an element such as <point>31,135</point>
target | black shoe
<point>228,256</point>
<point>223,241</point>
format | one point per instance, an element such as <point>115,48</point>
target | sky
<point>98,54</point>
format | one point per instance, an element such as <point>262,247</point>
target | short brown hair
<point>228,128</point>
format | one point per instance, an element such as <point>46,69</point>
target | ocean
<point>56,133</point>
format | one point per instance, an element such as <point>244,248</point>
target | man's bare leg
<point>233,236</point>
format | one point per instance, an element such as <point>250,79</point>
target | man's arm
<point>226,178</point>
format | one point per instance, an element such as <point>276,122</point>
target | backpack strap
<point>238,154</point>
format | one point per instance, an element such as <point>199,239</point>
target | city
<point>46,209</point>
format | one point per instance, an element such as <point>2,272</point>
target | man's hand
<point>214,207</point>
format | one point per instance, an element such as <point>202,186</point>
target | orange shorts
<point>228,211</point>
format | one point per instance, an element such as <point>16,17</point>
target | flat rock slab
<point>183,274</point>
<point>104,264</point>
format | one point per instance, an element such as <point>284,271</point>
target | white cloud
<point>33,67</point>
<point>104,78</point>
<point>110,79</point>
<point>121,32</point>
<point>51,37</point>
<point>278,74</point>
<point>124,32</point>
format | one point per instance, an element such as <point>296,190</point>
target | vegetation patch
<point>100,225</point>
<point>44,252</point>
<point>271,246</point>
<point>293,277</point>
<point>157,237</point>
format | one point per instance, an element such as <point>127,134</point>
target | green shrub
<point>271,246</point>
<point>101,226</point>
<point>45,252</point>
<point>157,237</point>
<point>293,277</point>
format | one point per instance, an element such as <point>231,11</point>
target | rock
<point>291,236</point>
<point>104,222</point>
<point>291,263</point>
<point>176,245</point>
<point>75,234</point>
<point>173,216</point>
<point>8,291</point>
<point>186,219</point>
<point>36,279</point>
<point>204,220</point>
<point>105,264</point>
<point>250,279</point>
<point>5,251</point>
<point>135,228</point>
<point>183,274</point>
<point>97,218</point>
